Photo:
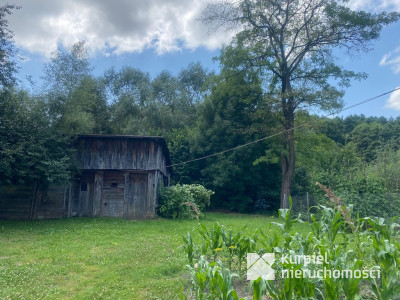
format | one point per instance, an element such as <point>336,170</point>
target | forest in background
<point>199,113</point>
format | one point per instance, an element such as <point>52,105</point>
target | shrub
<point>385,205</point>
<point>184,201</point>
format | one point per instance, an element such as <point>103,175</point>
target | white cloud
<point>375,5</point>
<point>394,100</point>
<point>392,59</point>
<point>123,26</point>
<point>112,27</point>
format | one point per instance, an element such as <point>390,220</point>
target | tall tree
<point>62,75</point>
<point>30,149</point>
<point>85,109</point>
<point>234,114</point>
<point>8,51</point>
<point>76,100</point>
<point>291,41</point>
<point>193,80</point>
<point>142,105</point>
<point>67,68</point>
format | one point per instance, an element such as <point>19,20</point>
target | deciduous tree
<point>291,41</point>
<point>8,51</point>
<point>30,149</point>
<point>77,102</point>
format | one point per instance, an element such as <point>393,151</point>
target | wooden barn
<point>118,176</point>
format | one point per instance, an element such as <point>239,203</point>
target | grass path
<point>87,258</point>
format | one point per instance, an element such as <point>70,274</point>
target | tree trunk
<point>287,165</point>
<point>287,154</point>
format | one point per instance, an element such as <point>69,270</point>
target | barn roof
<point>159,139</point>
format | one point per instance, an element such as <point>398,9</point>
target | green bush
<point>183,201</point>
<point>382,205</point>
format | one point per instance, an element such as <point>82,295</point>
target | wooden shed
<point>118,176</point>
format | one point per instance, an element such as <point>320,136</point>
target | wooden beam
<point>98,193</point>
<point>126,195</point>
<point>33,203</point>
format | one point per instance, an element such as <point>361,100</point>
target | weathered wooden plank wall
<point>98,193</point>
<point>27,202</point>
<point>51,203</point>
<point>137,196</point>
<point>155,180</point>
<point>121,154</point>
<point>86,192</point>
<point>113,194</point>
<point>73,205</point>
<point>15,202</point>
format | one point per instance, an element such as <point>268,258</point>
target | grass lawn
<point>87,258</point>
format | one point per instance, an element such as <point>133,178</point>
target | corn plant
<point>347,246</point>
<point>223,284</point>
<point>259,288</point>
<point>287,224</point>
<point>288,221</point>
<point>328,226</point>
<point>245,245</point>
<point>189,248</point>
<point>386,245</point>
<point>211,280</point>
<point>359,238</point>
<point>269,241</point>
<point>288,287</point>
<point>332,286</point>
<point>213,238</point>
<point>351,285</point>
<point>305,245</point>
<point>232,243</point>
<point>200,276</point>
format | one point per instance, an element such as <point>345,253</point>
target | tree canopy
<point>279,65</point>
<point>291,42</point>
<point>8,66</point>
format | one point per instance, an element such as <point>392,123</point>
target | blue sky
<point>158,35</point>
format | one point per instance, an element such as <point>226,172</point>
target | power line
<point>283,131</point>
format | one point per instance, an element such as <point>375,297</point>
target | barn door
<point>113,194</point>
<point>137,196</point>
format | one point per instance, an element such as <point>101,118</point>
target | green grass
<point>106,258</point>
